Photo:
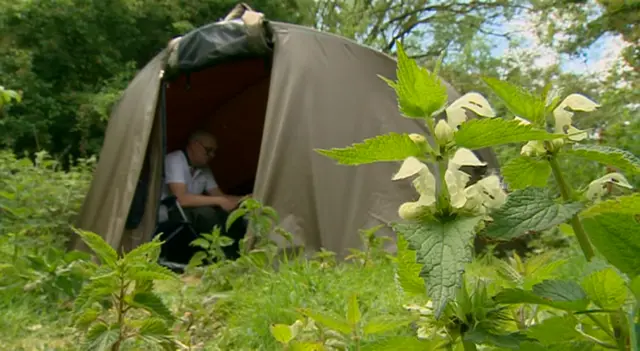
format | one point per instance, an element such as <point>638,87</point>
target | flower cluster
<point>563,119</point>
<point>477,198</point>
<point>598,188</point>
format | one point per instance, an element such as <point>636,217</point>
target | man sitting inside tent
<point>189,178</point>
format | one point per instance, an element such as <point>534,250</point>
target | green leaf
<point>529,209</point>
<point>331,322</point>
<point>482,336</point>
<point>281,332</point>
<point>444,248</point>
<point>306,346</point>
<point>150,271</point>
<point>487,132</point>
<point>353,311</point>
<point>420,92</point>
<point>606,289</point>
<point>147,252</point>
<point>635,287</point>
<point>101,337</point>
<point>101,248</point>
<point>271,213</point>
<point>554,330</point>
<point>382,148</point>
<point>607,155</point>
<point>152,303</point>
<point>520,102</point>
<point>408,270</point>
<point>561,294</point>
<point>224,241</point>
<point>154,327</point>
<point>200,242</point>
<point>384,324</point>
<point>628,204</point>
<point>617,238</point>
<point>522,172</point>
<point>86,317</point>
<point>197,259</point>
<point>404,343</point>
<point>234,216</point>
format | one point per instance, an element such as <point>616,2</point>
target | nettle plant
<point>119,308</point>
<point>599,310</point>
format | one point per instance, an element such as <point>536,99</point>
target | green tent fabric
<point>270,92</point>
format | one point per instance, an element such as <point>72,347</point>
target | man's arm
<point>175,166</point>
<point>186,199</point>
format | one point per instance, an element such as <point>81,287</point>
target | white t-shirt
<point>177,170</point>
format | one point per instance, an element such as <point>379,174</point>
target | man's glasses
<point>209,150</point>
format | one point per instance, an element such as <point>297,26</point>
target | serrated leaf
<point>607,155</point>
<point>152,303</point>
<point>353,311</point>
<point>541,273</point>
<point>606,289</point>
<point>408,270</point>
<point>382,148</point>
<point>481,336</point>
<point>101,337</point>
<point>522,172</point>
<point>197,258</point>
<point>561,294</point>
<point>234,216</point>
<point>404,343</point>
<point>554,330</point>
<point>381,325</point>
<point>224,241</point>
<point>101,248</point>
<point>200,242</point>
<point>529,209</point>
<point>86,317</point>
<point>420,93</point>
<point>329,321</point>
<point>520,102</point>
<point>617,238</point>
<point>155,332</point>
<point>147,252</point>
<point>151,271</point>
<point>281,332</point>
<point>488,132</point>
<point>154,327</point>
<point>443,248</point>
<point>628,204</point>
<point>270,212</point>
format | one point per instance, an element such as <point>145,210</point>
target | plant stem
<point>443,197</point>
<point>576,224</point>
<point>601,326</point>
<point>633,337</point>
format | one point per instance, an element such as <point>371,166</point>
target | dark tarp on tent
<point>271,93</point>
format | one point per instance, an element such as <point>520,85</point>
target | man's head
<point>201,148</point>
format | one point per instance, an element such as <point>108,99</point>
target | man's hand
<point>227,203</point>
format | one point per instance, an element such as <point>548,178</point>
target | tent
<point>270,92</point>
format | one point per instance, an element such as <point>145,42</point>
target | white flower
<point>457,114</point>
<point>444,133</point>
<point>533,148</point>
<point>598,187</point>
<point>563,117</point>
<point>425,183</point>
<point>487,193</point>
<point>417,138</point>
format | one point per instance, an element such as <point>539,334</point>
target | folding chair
<point>176,250</point>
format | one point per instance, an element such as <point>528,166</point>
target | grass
<point>235,319</point>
